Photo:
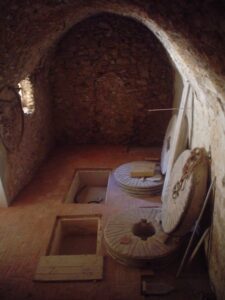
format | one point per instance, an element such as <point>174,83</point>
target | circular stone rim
<point>122,252</point>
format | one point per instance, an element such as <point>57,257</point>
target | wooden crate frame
<point>71,267</point>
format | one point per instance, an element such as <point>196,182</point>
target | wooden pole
<point>195,228</point>
<point>206,232</point>
<point>162,109</point>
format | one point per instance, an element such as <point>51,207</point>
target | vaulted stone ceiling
<point>29,28</point>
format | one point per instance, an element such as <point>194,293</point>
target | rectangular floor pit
<point>75,236</point>
<point>89,186</point>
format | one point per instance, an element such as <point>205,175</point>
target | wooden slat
<point>143,169</point>
<point>69,268</point>
<point>4,202</point>
<point>3,198</point>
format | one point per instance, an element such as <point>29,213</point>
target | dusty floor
<point>27,224</point>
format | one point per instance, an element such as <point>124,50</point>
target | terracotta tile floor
<point>27,224</point>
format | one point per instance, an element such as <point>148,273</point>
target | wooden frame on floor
<point>73,263</point>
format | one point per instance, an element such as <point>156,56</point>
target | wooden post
<point>3,198</point>
<point>176,136</point>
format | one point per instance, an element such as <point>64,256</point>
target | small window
<point>26,95</point>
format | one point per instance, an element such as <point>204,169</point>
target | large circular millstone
<point>135,238</point>
<point>138,186</point>
<point>185,193</point>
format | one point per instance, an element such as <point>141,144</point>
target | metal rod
<point>204,235</point>
<point>162,109</point>
<point>165,109</point>
<point>195,228</point>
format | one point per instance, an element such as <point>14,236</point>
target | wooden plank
<point>56,239</point>
<point>143,169</point>
<point>176,137</point>
<point>4,201</point>
<point>3,198</point>
<point>69,268</point>
<point>200,242</point>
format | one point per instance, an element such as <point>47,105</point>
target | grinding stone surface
<point>130,249</point>
<point>180,213</point>
<point>142,186</point>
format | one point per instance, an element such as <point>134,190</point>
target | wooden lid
<point>142,169</point>
<point>182,206</point>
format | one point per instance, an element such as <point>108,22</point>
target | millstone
<point>135,238</point>
<point>138,186</point>
<point>181,208</point>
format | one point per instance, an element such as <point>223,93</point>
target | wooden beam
<point>3,198</point>
<point>200,242</point>
<point>4,201</point>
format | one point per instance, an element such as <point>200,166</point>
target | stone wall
<point>106,73</point>
<point>37,138</point>
<point>208,128</point>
